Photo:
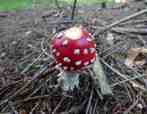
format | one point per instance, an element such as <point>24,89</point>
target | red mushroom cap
<point>74,49</point>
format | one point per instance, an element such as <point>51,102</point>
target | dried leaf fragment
<point>22,111</point>
<point>110,38</point>
<point>136,56</point>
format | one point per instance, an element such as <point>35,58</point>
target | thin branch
<point>36,76</point>
<point>120,21</point>
<point>126,30</point>
<point>132,106</point>
<point>89,102</point>
<point>127,80</point>
<point>58,105</point>
<point>73,9</point>
<point>57,4</point>
<point>30,65</point>
<point>120,74</point>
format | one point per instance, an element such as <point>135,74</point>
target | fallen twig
<point>132,106</point>
<point>120,21</point>
<point>32,98</point>
<point>89,102</point>
<point>121,75</point>
<point>128,30</point>
<point>36,76</point>
<point>58,105</point>
<point>127,80</point>
<point>34,61</point>
<point>73,9</point>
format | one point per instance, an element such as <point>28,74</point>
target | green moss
<point>8,5</point>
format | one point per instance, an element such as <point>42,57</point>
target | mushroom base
<point>69,80</point>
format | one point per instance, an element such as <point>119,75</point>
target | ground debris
<point>28,74</point>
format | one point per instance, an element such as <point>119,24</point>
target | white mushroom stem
<point>101,78</point>
<point>69,80</point>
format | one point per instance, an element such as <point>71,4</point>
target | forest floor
<point>28,77</point>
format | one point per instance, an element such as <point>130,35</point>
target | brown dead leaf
<point>136,56</point>
<point>22,112</point>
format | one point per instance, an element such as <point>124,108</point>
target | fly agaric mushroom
<point>74,50</point>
